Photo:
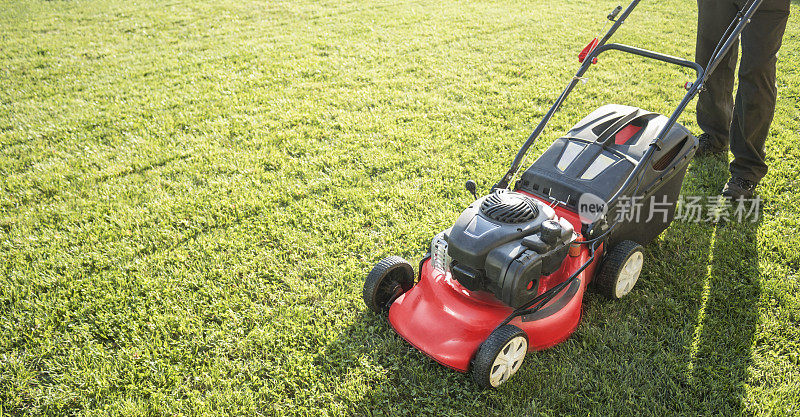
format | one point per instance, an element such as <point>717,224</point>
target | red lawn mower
<point>509,276</point>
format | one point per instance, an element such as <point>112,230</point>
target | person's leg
<point>757,92</point>
<point>715,103</point>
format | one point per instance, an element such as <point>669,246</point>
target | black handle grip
<point>614,13</point>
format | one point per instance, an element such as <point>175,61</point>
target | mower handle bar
<point>728,39</point>
<point>652,55</point>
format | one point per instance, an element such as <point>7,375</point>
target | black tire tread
<point>376,278</point>
<point>488,351</point>
<point>606,280</point>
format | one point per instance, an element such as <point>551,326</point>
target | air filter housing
<point>509,207</point>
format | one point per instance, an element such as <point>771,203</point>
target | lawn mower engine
<point>504,242</point>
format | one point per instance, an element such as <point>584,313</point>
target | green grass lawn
<point>192,194</point>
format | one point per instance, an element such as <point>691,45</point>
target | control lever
<point>472,188</point>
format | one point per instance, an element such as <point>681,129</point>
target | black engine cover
<point>504,242</point>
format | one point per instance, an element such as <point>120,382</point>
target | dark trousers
<point>744,123</point>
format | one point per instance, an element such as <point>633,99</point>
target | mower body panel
<point>448,322</point>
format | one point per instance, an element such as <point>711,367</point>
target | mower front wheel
<point>387,280</point>
<point>620,270</point>
<point>500,356</point>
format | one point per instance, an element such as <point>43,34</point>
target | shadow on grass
<point>727,318</point>
<point>679,344</point>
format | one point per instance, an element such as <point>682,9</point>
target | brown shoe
<point>706,149</point>
<point>738,188</point>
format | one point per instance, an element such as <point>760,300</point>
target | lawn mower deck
<point>448,322</point>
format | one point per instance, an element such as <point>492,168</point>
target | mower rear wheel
<point>620,270</point>
<point>387,280</point>
<point>500,356</point>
